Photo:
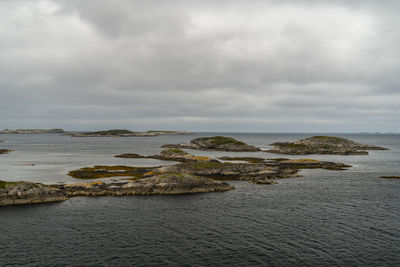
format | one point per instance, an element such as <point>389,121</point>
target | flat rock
<point>13,193</point>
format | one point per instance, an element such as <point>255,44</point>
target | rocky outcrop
<point>31,131</point>
<point>4,151</point>
<point>255,170</point>
<point>218,143</point>
<point>172,154</point>
<point>167,183</point>
<point>13,193</point>
<point>125,133</point>
<point>269,170</point>
<point>322,145</point>
<point>100,171</point>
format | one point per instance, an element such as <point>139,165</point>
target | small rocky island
<point>391,177</point>
<point>31,131</point>
<point>167,183</point>
<point>172,154</point>
<point>322,145</point>
<point>217,143</point>
<point>125,133</point>
<point>4,151</point>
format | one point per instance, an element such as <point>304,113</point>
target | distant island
<point>322,145</point>
<point>391,177</point>
<point>125,133</point>
<point>31,131</point>
<point>217,143</point>
<point>4,151</point>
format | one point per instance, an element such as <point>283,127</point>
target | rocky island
<point>391,177</point>
<point>125,133</point>
<point>322,145</point>
<point>31,131</point>
<point>172,154</point>
<point>4,151</point>
<point>217,143</point>
<point>12,193</point>
<point>256,170</point>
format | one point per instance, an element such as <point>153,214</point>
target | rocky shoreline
<point>168,183</point>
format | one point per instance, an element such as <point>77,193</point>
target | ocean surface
<point>346,218</point>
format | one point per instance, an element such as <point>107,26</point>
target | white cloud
<point>237,65</point>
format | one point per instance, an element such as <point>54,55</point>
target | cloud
<point>200,65</point>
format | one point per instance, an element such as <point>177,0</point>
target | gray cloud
<point>200,65</point>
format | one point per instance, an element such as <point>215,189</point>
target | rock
<point>248,159</point>
<point>218,143</point>
<point>322,145</point>
<point>131,156</point>
<point>265,181</point>
<point>273,169</point>
<point>168,183</point>
<point>175,183</point>
<point>12,193</point>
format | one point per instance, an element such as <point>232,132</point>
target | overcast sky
<point>270,66</point>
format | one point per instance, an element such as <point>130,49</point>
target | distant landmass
<point>105,133</point>
<point>31,131</point>
<point>124,133</point>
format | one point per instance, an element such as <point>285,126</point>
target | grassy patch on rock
<point>109,171</point>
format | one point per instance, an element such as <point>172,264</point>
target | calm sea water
<point>347,218</point>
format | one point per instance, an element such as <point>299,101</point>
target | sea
<point>326,218</point>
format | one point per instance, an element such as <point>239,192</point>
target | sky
<point>241,66</point>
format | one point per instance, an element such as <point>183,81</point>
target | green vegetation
<point>248,159</point>
<point>174,150</point>
<point>3,184</point>
<point>331,139</point>
<point>109,132</point>
<point>109,171</point>
<point>207,165</point>
<point>292,145</point>
<point>222,140</point>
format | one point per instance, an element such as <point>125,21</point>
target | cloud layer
<point>200,65</point>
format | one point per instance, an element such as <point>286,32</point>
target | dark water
<point>347,218</point>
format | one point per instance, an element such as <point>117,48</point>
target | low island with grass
<point>322,145</point>
<point>31,131</point>
<point>125,133</point>
<point>217,143</point>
